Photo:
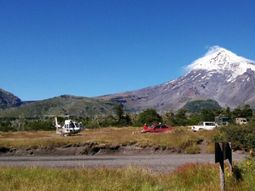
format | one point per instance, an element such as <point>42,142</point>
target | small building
<point>241,121</point>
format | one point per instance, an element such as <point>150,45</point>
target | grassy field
<point>190,177</point>
<point>180,139</point>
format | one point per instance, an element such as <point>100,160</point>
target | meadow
<point>180,139</point>
<point>190,177</point>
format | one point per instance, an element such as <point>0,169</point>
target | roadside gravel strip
<point>156,162</point>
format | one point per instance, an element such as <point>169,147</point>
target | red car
<point>155,128</point>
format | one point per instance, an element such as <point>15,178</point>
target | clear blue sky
<point>97,47</point>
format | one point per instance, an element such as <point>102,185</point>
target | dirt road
<point>159,162</point>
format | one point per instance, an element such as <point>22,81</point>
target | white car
<point>206,125</point>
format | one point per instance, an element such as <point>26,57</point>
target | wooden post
<point>228,155</point>
<point>222,176</point>
<point>223,151</point>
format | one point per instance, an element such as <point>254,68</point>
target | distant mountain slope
<point>7,99</point>
<point>219,75</point>
<point>63,105</point>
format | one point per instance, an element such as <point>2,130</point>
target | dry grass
<point>190,177</point>
<point>180,138</point>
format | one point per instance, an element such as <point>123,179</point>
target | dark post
<point>222,176</point>
<point>222,152</point>
<point>228,155</point>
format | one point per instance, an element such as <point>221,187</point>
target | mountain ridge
<point>228,72</point>
<point>8,99</point>
<point>61,105</point>
<point>220,75</point>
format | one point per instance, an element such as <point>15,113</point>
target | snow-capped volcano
<point>220,60</point>
<point>220,75</point>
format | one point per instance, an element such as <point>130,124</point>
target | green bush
<point>39,125</point>
<point>192,149</point>
<point>148,116</point>
<point>241,137</point>
<point>26,124</point>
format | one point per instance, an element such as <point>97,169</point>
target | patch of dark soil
<point>4,150</point>
<point>68,145</point>
<point>93,149</point>
<point>200,141</point>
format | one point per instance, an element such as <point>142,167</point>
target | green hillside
<point>62,105</point>
<point>199,105</point>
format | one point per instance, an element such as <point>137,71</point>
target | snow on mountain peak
<point>218,59</point>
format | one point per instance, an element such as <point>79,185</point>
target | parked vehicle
<point>241,121</point>
<point>206,125</point>
<point>222,120</point>
<point>155,128</point>
<point>69,127</point>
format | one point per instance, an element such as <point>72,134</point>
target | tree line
<point>120,118</point>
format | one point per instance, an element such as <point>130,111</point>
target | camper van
<point>241,121</point>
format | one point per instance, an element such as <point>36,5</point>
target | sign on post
<point>223,152</point>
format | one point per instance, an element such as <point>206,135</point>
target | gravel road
<point>159,162</point>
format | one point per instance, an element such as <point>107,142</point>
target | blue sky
<point>96,47</point>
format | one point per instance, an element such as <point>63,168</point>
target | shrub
<point>192,149</point>
<point>148,116</point>
<point>241,137</point>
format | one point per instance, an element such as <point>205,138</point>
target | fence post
<point>222,152</point>
<point>222,176</point>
